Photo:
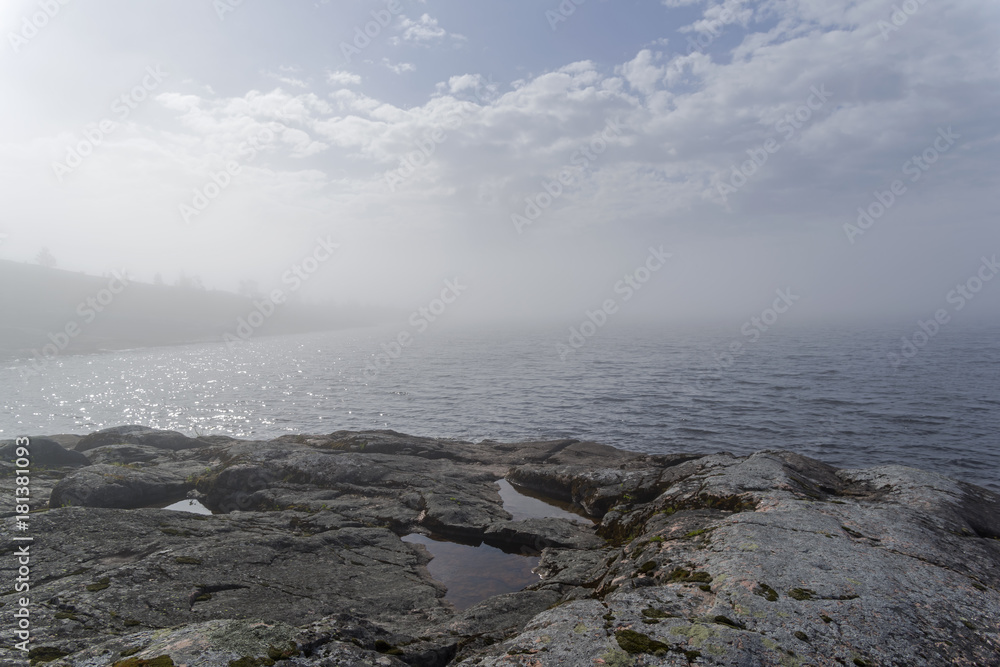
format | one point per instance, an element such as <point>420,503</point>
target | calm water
<point>473,574</point>
<point>524,504</point>
<point>826,393</point>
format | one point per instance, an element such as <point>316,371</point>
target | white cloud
<point>683,128</point>
<point>470,86</point>
<point>300,143</point>
<point>295,83</point>
<point>685,122</point>
<point>286,75</point>
<point>423,31</point>
<point>641,73</point>
<point>342,78</point>
<point>717,18</point>
<point>457,84</point>
<point>399,68</point>
<point>179,102</point>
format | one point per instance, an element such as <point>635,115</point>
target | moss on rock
<point>725,620</point>
<point>802,594</point>
<point>158,661</point>
<point>635,642</point>
<point>99,585</point>
<point>247,661</point>
<point>42,654</point>
<point>680,575</point>
<point>766,592</point>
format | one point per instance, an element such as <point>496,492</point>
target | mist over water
<point>668,226</point>
<point>545,200</point>
<point>828,393</point>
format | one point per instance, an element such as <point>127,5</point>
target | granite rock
<point>767,559</point>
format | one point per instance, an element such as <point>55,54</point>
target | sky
<point>546,155</point>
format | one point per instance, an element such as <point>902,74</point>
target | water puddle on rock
<point>474,573</point>
<point>522,504</point>
<point>188,505</point>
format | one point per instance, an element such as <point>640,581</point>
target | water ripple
<point>824,394</point>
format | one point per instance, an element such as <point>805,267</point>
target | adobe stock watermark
<point>219,181</point>
<point>958,298</point>
<point>426,147</point>
<point>709,31</point>
<point>579,164</point>
<point>915,168</point>
<point>483,92</point>
<point>87,311</point>
<point>223,7</point>
<point>96,133</point>
<point>294,278</point>
<point>627,287</point>
<point>752,330</point>
<point>366,33</point>
<point>32,24</point>
<point>901,13</point>
<point>420,321</point>
<point>562,12</point>
<point>21,556</point>
<point>792,122</point>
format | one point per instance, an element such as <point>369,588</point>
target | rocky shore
<point>768,559</point>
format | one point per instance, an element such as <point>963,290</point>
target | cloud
<point>342,78</point>
<point>641,73</point>
<point>717,17</point>
<point>475,86</point>
<point>423,32</point>
<point>398,68</point>
<point>457,84</point>
<point>685,123</point>
<point>286,75</point>
<point>295,83</point>
<point>300,144</point>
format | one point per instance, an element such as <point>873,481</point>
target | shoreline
<point>772,558</point>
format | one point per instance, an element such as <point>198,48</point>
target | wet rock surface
<point>770,559</point>
<point>45,452</point>
<point>137,435</point>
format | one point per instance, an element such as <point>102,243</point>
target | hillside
<point>79,313</point>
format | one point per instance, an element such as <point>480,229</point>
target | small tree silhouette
<point>45,258</point>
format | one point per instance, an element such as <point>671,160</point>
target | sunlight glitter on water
<point>827,394</point>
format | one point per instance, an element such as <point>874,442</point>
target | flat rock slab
<point>138,435</point>
<point>123,486</point>
<point>104,571</point>
<point>225,642</point>
<point>44,452</point>
<point>767,559</point>
<point>748,561</point>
